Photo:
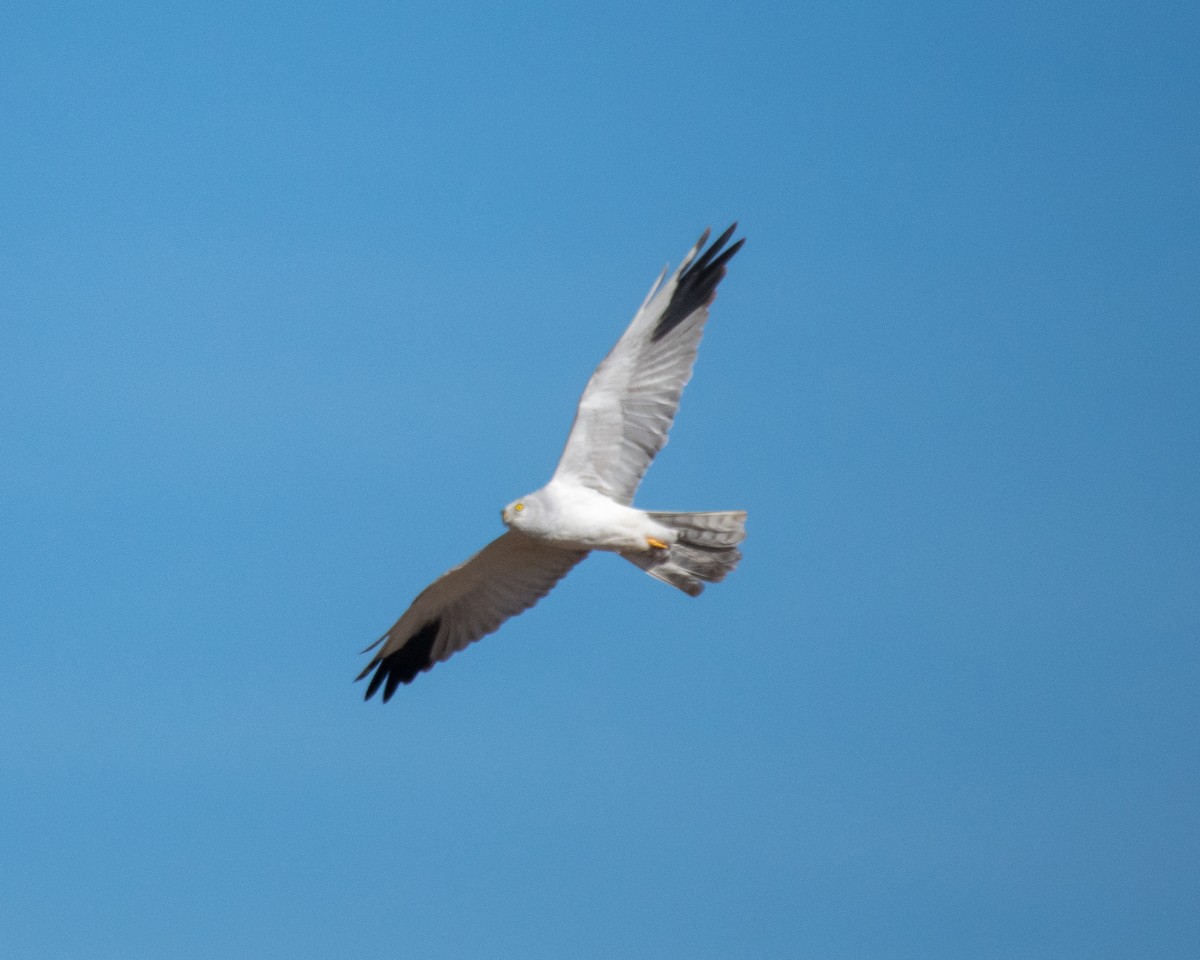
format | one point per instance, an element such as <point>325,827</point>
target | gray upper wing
<point>630,401</point>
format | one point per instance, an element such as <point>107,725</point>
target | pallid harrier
<point>622,422</point>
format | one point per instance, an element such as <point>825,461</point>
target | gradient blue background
<point>296,295</point>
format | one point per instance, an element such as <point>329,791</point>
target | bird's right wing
<point>509,575</point>
<point>629,403</point>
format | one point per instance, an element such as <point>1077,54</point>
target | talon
<point>656,544</point>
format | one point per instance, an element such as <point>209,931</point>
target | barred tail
<point>705,549</point>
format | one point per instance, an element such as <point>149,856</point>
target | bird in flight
<point>622,422</point>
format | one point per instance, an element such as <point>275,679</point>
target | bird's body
<point>574,516</point>
<point>622,422</point>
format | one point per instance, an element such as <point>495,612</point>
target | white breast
<point>577,516</point>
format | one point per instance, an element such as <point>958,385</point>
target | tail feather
<point>705,549</point>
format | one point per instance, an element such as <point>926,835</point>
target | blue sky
<point>296,296</point>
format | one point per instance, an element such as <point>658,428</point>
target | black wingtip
<point>724,238</point>
<point>403,665</point>
<point>698,284</point>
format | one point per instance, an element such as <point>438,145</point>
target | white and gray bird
<point>623,418</point>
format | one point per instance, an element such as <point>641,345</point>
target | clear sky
<point>295,296</point>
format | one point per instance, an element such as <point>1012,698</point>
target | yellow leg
<point>655,543</point>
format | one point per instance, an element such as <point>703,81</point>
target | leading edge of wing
<point>697,284</point>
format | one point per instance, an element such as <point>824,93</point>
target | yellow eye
<point>518,507</point>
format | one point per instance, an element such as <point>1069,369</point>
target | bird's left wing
<point>629,403</point>
<point>509,575</point>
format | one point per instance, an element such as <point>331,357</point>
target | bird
<point>622,422</point>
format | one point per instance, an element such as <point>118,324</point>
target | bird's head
<point>515,513</point>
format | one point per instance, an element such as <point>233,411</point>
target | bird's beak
<point>504,514</point>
